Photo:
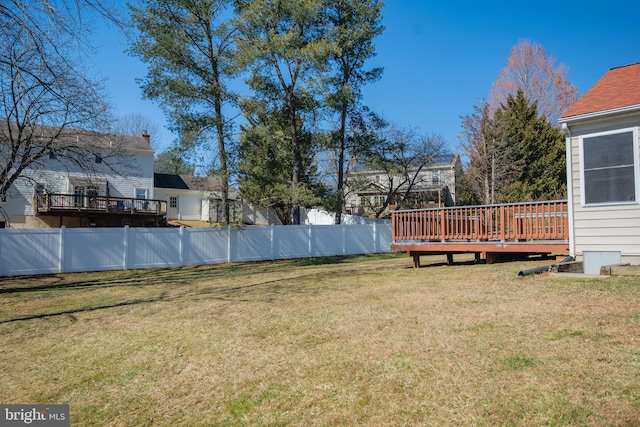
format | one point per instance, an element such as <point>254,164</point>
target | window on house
<point>98,158</point>
<point>173,202</point>
<point>78,199</point>
<point>52,155</point>
<point>141,193</point>
<point>609,167</point>
<point>39,188</point>
<point>435,177</point>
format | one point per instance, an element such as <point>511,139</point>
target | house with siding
<point>603,170</point>
<point>108,184</point>
<point>432,185</point>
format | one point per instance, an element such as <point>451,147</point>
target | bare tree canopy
<point>136,124</point>
<point>401,154</point>
<point>539,77</point>
<point>45,89</point>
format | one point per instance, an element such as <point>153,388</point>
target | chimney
<point>146,136</point>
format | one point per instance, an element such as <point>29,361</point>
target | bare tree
<point>46,98</point>
<point>401,156</point>
<point>488,162</point>
<point>136,124</point>
<point>540,78</point>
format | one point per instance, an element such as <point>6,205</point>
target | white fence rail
<point>45,251</point>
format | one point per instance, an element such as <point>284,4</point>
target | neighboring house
<point>114,190</point>
<point>603,170</point>
<point>434,186</point>
<point>191,198</point>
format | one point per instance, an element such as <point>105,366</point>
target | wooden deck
<point>70,204</point>
<point>491,232</point>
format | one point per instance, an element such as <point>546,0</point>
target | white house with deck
<point>603,170</point>
<point>109,183</point>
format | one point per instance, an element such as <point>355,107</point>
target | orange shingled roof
<point>618,88</point>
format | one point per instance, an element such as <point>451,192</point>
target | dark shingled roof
<point>185,182</point>
<point>165,180</point>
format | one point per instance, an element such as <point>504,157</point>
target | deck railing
<point>56,203</point>
<point>508,222</point>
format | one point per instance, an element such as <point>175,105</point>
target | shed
<point>193,198</point>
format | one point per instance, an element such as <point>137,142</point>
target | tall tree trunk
<point>297,157</point>
<point>341,150</point>
<point>224,174</point>
<point>219,121</point>
<point>493,180</point>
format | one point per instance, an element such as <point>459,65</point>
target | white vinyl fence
<point>44,251</point>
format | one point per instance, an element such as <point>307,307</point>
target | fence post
<point>375,238</point>
<point>344,239</point>
<point>229,243</point>
<point>309,236</point>
<point>181,245</point>
<point>125,252</point>
<point>61,249</point>
<point>272,241</point>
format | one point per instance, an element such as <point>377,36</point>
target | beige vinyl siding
<point>612,227</point>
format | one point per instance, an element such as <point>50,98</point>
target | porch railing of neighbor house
<point>56,203</point>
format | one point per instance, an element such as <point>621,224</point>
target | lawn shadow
<point>150,277</point>
<point>182,281</point>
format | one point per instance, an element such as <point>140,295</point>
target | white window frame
<point>173,202</point>
<point>435,177</point>
<point>636,167</point>
<point>146,193</point>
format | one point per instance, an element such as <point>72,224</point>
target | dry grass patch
<point>335,341</point>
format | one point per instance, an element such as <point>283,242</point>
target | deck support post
<point>416,260</point>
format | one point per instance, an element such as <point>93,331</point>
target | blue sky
<point>440,57</point>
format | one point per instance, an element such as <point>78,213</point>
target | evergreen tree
<point>535,150</point>
<point>266,159</point>
<point>285,46</point>
<point>188,47</point>
<point>173,161</point>
<point>354,24</point>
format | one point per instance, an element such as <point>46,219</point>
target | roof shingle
<point>618,88</point>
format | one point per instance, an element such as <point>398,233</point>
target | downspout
<point>567,131</point>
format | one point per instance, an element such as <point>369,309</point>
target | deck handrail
<point>546,220</point>
<point>52,202</point>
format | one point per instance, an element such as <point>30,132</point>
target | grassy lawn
<point>336,341</point>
